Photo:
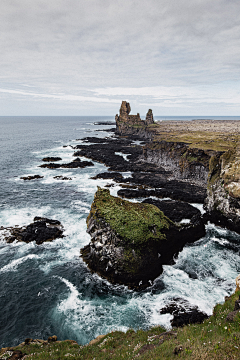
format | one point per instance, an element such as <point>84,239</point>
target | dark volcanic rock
<point>49,159</point>
<point>31,177</point>
<point>231,222</point>
<point>41,230</point>
<point>177,190</point>
<point>76,163</point>
<point>61,177</point>
<point>183,313</point>
<point>175,210</point>
<point>130,241</point>
<point>105,123</point>
<point>109,175</point>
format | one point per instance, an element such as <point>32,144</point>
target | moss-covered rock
<point>130,241</point>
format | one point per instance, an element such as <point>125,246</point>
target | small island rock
<point>130,241</point>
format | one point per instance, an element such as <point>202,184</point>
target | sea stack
<point>131,241</point>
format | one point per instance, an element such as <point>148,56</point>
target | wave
<point>13,265</point>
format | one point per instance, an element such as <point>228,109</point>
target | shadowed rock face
<point>130,241</point>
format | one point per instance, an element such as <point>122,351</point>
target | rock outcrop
<point>127,124</point>
<point>130,241</point>
<point>223,193</point>
<point>41,230</point>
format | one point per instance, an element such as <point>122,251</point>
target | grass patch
<point>135,223</point>
<point>216,338</point>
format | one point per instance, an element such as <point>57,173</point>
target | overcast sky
<point>83,57</point>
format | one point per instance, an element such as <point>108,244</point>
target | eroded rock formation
<point>130,241</point>
<point>132,124</point>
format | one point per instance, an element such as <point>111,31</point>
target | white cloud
<point>88,51</point>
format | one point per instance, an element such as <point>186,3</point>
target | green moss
<point>135,223</point>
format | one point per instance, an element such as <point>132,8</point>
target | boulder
<point>41,230</point>
<point>183,313</point>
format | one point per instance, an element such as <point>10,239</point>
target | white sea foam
<point>13,265</point>
<point>199,207</point>
<point>123,155</point>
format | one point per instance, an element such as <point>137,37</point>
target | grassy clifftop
<point>216,338</point>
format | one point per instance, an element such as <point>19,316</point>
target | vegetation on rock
<point>135,223</point>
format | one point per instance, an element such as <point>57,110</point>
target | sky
<point>83,57</point>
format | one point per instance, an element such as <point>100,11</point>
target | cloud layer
<point>83,57</point>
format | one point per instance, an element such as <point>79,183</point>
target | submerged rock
<point>130,241</point>
<point>31,177</point>
<point>41,230</point>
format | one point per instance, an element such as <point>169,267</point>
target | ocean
<point>47,289</point>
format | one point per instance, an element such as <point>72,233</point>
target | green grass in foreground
<point>215,338</point>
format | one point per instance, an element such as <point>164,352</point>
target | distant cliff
<point>207,152</point>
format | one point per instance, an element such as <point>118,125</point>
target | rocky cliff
<point>206,152</point>
<point>130,241</point>
<point>223,193</point>
<point>184,162</point>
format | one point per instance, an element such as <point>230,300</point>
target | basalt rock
<point>49,159</point>
<point>109,175</point>
<point>76,163</point>
<point>175,210</point>
<point>31,177</point>
<point>130,241</point>
<point>104,123</point>
<point>223,192</point>
<point>182,161</point>
<point>41,230</point>
<point>176,190</point>
<point>61,177</point>
<point>183,313</point>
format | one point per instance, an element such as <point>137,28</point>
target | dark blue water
<point>47,289</point>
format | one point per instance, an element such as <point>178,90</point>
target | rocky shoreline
<point>181,170</point>
<point>159,169</point>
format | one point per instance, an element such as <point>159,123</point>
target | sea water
<point>47,289</point>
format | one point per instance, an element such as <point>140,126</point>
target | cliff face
<point>130,241</point>
<point>184,162</point>
<point>223,193</point>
